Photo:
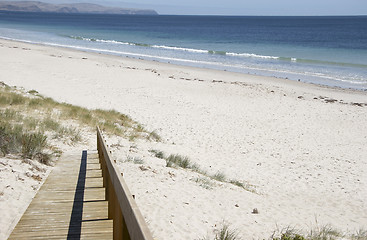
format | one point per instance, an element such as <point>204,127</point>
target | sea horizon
<point>324,50</point>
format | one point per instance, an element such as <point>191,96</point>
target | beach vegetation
<point>289,234</point>
<point>178,160</point>
<point>157,153</point>
<point>138,160</point>
<point>135,160</point>
<point>110,121</point>
<point>319,233</point>
<point>16,140</point>
<point>204,182</point>
<point>28,121</point>
<point>33,144</point>
<point>248,187</point>
<point>169,162</point>
<point>33,92</point>
<point>237,183</point>
<point>34,102</point>
<point>154,136</point>
<point>3,100</point>
<point>225,233</point>
<point>196,168</point>
<point>17,99</point>
<point>325,232</point>
<point>133,137</point>
<point>361,234</point>
<point>73,133</point>
<point>50,124</point>
<point>139,128</point>
<point>219,176</point>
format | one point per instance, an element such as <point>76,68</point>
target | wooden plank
<point>72,189</point>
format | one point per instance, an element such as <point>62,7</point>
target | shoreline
<point>301,146</point>
<point>249,78</point>
<point>105,53</point>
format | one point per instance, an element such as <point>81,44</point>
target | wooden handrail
<point>128,223</point>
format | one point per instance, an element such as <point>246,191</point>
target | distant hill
<point>33,6</point>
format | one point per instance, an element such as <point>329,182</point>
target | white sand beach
<point>301,148</point>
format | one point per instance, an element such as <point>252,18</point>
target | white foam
<point>193,50</point>
<point>251,55</point>
<point>180,49</point>
<point>113,41</point>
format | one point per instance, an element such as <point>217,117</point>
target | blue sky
<point>252,7</point>
<point>240,7</point>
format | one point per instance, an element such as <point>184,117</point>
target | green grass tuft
<point>17,99</point>
<point>14,139</point>
<point>226,234</point>
<point>154,136</point>
<point>50,124</point>
<point>324,233</point>
<point>237,183</point>
<point>219,176</point>
<point>157,153</point>
<point>32,144</point>
<point>33,92</point>
<point>176,159</point>
<point>138,160</point>
<point>205,182</point>
<point>361,234</point>
<point>319,233</point>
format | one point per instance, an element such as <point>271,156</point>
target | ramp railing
<point>128,223</point>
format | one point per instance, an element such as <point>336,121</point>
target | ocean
<point>329,51</point>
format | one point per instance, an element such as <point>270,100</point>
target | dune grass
<point>361,234</point>
<point>109,121</point>
<point>28,121</point>
<point>325,232</point>
<point>205,182</point>
<point>154,136</point>
<point>224,233</point>
<point>177,160</point>
<point>135,160</point>
<point>219,176</point>
<point>16,140</point>
<point>158,154</point>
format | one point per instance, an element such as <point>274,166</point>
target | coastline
<point>139,57</point>
<point>304,152</point>
<point>277,81</point>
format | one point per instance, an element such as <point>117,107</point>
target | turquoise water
<point>323,50</point>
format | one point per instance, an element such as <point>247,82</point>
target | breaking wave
<point>213,52</point>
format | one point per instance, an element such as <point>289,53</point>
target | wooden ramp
<point>70,205</point>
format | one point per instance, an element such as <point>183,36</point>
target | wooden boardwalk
<point>70,205</point>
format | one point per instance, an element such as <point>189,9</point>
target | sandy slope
<point>305,156</point>
<point>19,181</point>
